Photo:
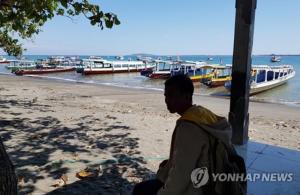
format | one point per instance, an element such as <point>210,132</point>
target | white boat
<point>119,57</point>
<point>95,57</point>
<point>56,60</point>
<point>161,71</point>
<point>144,59</point>
<point>264,77</point>
<point>3,60</point>
<point>101,66</point>
<point>275,58</point>
<point>20,64</point>
<point>193,69</point>
<point>70,61</point>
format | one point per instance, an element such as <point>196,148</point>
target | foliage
<point>23,19</point>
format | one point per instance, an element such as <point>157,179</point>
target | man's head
<point>179,91</point>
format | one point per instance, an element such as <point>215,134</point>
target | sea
<point>288,93</point>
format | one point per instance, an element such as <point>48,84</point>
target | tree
<point>23,19</point>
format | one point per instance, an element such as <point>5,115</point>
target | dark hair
<point>183,83</point>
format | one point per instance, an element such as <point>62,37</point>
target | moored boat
<point>264,77</point>
<point>55,60</point>
<point>119,57</point>
<point>44,71</point>
<point>101,66</point>
<point>220,74</point>
<point>161,71</point>
<point>15,65</point>
<point>275,58</point>
<point>3,60</point>
<point>193,69</point>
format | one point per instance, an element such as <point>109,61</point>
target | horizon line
<point>269,54</point>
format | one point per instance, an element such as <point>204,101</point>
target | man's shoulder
<point>189,127</point>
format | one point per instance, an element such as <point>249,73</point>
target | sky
<point>171,27</point>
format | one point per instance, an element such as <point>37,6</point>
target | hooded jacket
<point>190,149</point>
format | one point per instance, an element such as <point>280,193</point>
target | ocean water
<point>288,93</point>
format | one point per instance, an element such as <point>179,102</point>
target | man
<point>190,146</point>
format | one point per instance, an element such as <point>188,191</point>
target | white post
<point>266,75</point>
<point>256,76</point>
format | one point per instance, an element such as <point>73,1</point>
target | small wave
<point>276,101</point>
<point>6,73</point>
<point>51,77</point>
<point>131,87</point>
<point>93,82</point>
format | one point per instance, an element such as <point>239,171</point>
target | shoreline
<point>283,102</point>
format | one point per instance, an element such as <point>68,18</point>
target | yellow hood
<point>215,125</point>
<point>199,115</point>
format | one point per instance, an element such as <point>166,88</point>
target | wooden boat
<point>194,69</point>
<point>219,75</point>
<point>3,60</point>
<point>100,66</point>
<point>119,57</point>
<point>275,58</point>
<point>56,60</point>
<point>162,70</point>
<point>161,74</point>
<point>15,65</point>
<point>44,71</point>
<point>265,77</point>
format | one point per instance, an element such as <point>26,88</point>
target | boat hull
<point>198,78</point>
<point>216,82</point>
<point>160,75</point>
<point>266,86</point>
<point>99,71</point>
<point>261,87</point>
<point>43,71</point>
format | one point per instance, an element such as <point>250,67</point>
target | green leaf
<point>70,12</point>
<point>108,23</point>
<point>117,21</point>
<point>60,12</point>
<point>64,3</point>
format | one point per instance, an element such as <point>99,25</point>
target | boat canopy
<point>215,66</point>
<point>127,62</point>
<point>266,67</point>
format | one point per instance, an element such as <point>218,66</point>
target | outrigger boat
<point>3,60</point>
<point>44,71</point>
<point>161,71</point>
<point>264,77</point>
<point>275,58</point>
<point>195,70</point>
<point>219,75</point>
<point>101,66</point>
<point>15,65</point>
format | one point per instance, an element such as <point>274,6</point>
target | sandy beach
<point>53,129</point>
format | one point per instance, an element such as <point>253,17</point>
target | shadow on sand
<point>41,138</point>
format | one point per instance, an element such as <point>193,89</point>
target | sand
<point>53,129</point>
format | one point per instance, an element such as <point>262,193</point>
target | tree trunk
<point>8,179</point>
